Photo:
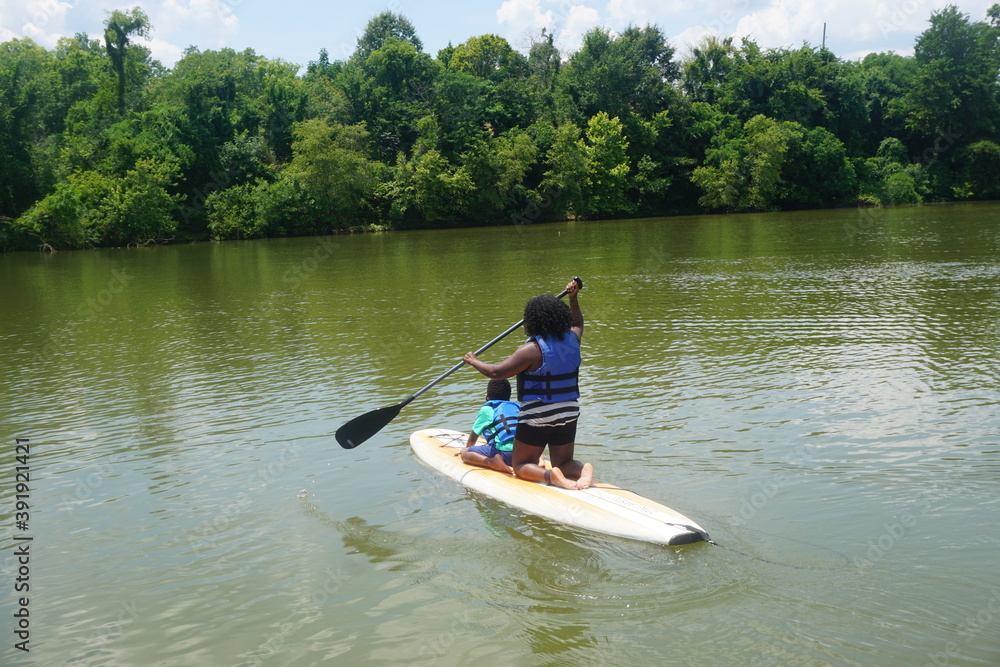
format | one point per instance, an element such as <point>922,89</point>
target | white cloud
<point>692,37</point>
<point>209,24</point>
<point>579,19</point>
<point>177,24</point>
<point>183,15</point>
<point>524,18</point>
<point>6,34</point>
<point>41,20</point>
<point>166,52</point>
<point>785,23</point>
<point>643,12</point>
<point>568,20</point>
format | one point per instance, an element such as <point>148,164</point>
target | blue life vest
<point>500,432</point>
<point>555,380</point>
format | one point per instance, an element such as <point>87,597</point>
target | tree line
<point>101,145</point>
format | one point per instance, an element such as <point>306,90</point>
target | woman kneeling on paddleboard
<point>547,367</point>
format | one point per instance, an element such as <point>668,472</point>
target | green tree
<point>488,57</point>
<point>332,166</point>
<point>656,162</point>
<point>459,109</point>
<point>953,99</point>
<point>100,145</point>
<point>888,177</point>
<point>817,172</point>
<point>608,168</point>
<point>743,173</point>
<point>544,65</point>
<point>234,213</point>
<point>954,92</point>
<point>618,74</point>
<point>140,209</point>
<point>499,168</point>
<point>505,98</point>
<point>428,188</point>
<point>392,89</point>
<point>900,188</point>
<point>27,88</point>
<point>81,67</point>
<point>93,208</point>
<point>982,168</point>
<point>119,28</point>
<point>884,79</point>
<point>705,71</point>
<point>224,95</point>
<point>381,30</point>
<point>567,165</point>
<point>55,222</point>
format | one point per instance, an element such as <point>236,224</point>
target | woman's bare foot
<point>556,478</point>
<point>586,477</point>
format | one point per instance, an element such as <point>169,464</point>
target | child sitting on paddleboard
<point>497,422</point>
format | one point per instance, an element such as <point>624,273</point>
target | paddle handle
<point>488,345</point>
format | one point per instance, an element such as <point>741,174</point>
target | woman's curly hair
<point>546,315</point>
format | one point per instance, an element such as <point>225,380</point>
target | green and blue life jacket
<point>500,432</point>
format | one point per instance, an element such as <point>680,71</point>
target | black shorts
<point>553,436</point>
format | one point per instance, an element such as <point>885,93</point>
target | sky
<point>296,30</point>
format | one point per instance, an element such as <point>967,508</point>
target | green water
<point>820,391</point>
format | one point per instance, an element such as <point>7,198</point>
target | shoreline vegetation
<point>100,145</point>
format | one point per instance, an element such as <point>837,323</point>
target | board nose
<point>694,535</point>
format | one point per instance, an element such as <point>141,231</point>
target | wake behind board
<point>603,508</point>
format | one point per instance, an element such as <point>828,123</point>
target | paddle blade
<point>359,429</point>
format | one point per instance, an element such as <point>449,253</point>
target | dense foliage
<point>101,145</point>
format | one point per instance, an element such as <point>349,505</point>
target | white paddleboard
<point>603,508</point>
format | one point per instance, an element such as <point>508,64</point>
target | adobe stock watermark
<point>767,489</point>
<point>871,219</point>
<point>895,532</point>
<point>893,17</point>
<point>42,13</point>
<point>91,307</point>
<point>943,142</point>
<point>723,24</point>
<point>973,627</point>
<point>107,633</point>
<point>433,648</point>
<point>868,221</point>
<point>218,180</point>
<point>292,279</point>
<point>419,496</point>
<point>427,316</point>
<point>436,646</point>
<point>533,210</point>
<point>203,537</point>
<point>656,260</point>
<point>87,484</point>
<point>308,611</point>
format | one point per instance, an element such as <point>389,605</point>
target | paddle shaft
<point>488,345</point>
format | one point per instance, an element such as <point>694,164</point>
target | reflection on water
<point>819,392</point>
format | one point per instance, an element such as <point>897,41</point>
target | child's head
<point>498,390</point>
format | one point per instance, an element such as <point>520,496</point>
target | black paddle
<point>359,429</point>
